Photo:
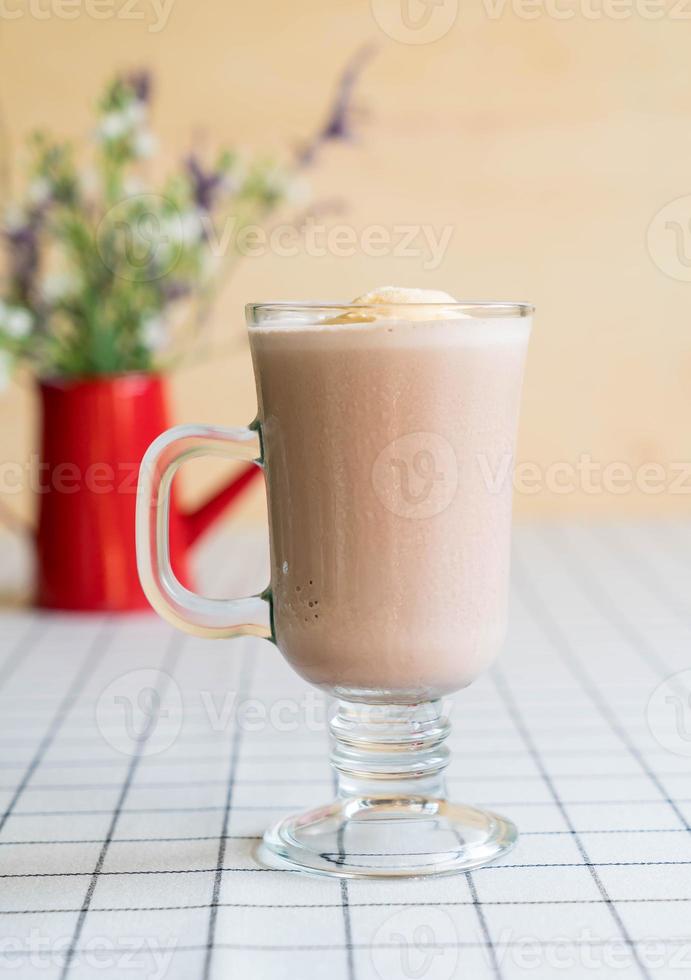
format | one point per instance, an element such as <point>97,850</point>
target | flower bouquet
<point>109,278</point>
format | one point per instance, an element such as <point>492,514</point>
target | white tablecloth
<point>125,857</point>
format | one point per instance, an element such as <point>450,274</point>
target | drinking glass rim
<point>476,309</point>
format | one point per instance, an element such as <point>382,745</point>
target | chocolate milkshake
<point>388,434</point>
<point>386,429</point>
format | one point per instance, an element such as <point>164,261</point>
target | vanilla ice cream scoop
<point>395,295</point>
<point>386,298</point>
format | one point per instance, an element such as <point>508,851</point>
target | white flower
<point>297,191</point>
<point>90,180</point>
<point>14,217</point>
<point>183,228</point>
<point>236,174</point>
<point>144,144</point>
<point>239,167</point>
<point>192,226</point>
<point>39,190</point>
<point>57,286</point>
<point>5,369</point>
<point>210,264</point>
<point>135,113</point>
<point>154,333</point>
<point>113,126</point>
<point>277,179</point>
<point>17,322</point>
<point>133,186</point>
<point>126,121</point>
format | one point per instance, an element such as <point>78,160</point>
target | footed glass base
<point>391,818</point>
<point>388,838</point>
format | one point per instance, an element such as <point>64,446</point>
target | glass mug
<point>386,435</point>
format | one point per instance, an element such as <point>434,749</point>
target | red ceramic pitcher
<point>94,434</point>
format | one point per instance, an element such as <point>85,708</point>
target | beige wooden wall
<point>547,146</point>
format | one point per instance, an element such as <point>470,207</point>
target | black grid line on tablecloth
<point>278,807</point>
<point>482,919</point>
<point>635,559</point>
<point>488,903</point>
<point>168,665</point>
<point>243,870</point>
<point>575,635</point>
<point>562,645</point>
<point>525,735</point>
<point>93,654</point>
<point>344,895</point>
<point>20,648</point>
<point>244,689</point>
<point>320,947</point>
<point>257,837</point>
<point>317,781</point>
<point>632,636</point>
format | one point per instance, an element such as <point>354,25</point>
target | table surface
<point>126,855</point>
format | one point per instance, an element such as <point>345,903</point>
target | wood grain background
<point>546,145</point>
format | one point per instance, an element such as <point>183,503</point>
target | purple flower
<point>174,289</point>
<point>24,254</point>
<point>204,185</point>
<point>140,83</point>
<point>337,125</point>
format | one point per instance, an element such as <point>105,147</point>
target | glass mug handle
<point>215,618</point>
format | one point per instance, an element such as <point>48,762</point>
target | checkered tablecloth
<point>140,766</point>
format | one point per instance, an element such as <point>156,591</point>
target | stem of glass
<point>388,751</point>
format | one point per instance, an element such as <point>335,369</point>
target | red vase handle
<point>180,606</point>
<point>198,521</point>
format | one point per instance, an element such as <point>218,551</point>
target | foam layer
<point>393,332</point>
